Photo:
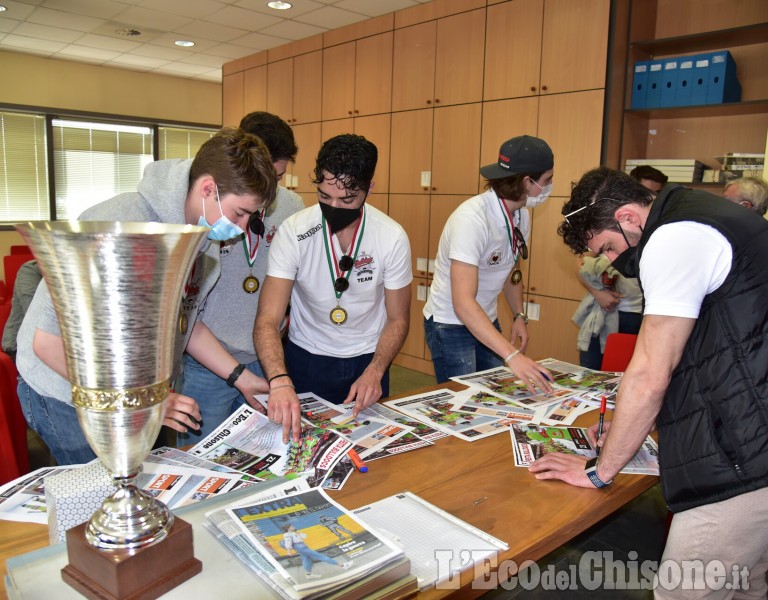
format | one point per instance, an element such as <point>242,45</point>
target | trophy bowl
<point>116,288</point>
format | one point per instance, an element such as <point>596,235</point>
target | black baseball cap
<point>522,154</point>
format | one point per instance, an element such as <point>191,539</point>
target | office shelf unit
<point>659,29</point>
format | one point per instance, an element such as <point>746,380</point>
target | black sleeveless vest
<point>713,423</point>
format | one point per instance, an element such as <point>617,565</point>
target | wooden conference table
<point>475,481</point>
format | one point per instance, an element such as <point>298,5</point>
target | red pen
<point>357,461</point>
<point>600,423</point>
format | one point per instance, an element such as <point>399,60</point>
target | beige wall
<point>61,85</point>
<point>58,84</point>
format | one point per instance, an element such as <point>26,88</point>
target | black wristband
<point>235,374</point>
<point>271,379</point>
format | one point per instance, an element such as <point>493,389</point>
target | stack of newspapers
<point>304,546</point>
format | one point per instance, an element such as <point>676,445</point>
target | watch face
<point>591,463</point>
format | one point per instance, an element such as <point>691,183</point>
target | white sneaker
<point>346,565</point>
<point>313,576</point>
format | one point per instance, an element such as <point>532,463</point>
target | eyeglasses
<point>586,206</point>
<point>520,246</point>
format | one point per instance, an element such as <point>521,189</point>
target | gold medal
<point>338,316</point>
<point>517,276</point>
<point>183,321</point>
<point>251,284</point>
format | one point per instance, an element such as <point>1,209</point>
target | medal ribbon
<point>510,228</point>
<point>333,264</point>
<point>250,255</point>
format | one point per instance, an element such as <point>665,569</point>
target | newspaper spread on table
<point>248,441</point>
<point>303,543</point>
<point>530,442</point>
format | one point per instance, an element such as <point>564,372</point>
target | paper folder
<point>640,84</point>
<point>722,84</point>
<point>655,72</point>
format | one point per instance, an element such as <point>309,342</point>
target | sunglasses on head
<point>256,225</point>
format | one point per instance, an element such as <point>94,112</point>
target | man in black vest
<point>700,369</point>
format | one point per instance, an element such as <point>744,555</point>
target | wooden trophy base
<point>142,574</point>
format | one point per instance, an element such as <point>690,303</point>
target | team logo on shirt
<point>494,258</point>
<point>226,249</point>
<point>364,266</point>
<point>270,234</point>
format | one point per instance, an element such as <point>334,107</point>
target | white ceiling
<point>223,30</point>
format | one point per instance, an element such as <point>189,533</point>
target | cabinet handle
<point>532,289</point>
<point>544,88</point>
<point>357,112</point>
<point>429,101</point>
<point>533,88</point>
<point>434,189</point>
<point>349,112</point>
<point>437,100</point>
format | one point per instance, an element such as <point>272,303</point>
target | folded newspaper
<point>304,545</point>
<point>530,442</point>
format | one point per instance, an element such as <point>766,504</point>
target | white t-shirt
<point>476,233</point>
<point>383,261</point>
<point>681,263</point>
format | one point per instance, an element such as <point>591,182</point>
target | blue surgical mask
<point>223,229</point>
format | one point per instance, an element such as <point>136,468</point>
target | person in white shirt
<point>478,257</point>
<point>345,267</point>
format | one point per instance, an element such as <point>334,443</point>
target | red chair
<point>619,348</point>
<point>13,426</point>
<point>21,250</point>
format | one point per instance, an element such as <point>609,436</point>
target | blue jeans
<point>593,358</point>
<point>310,556</point>
<point>56,422</point>
<point>216,399</point>
<point>455,351</point>
<point>327,376</point>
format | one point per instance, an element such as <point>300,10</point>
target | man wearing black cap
<point>478,258</point>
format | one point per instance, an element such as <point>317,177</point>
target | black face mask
<point>626,262</point>
<point>339,218</point>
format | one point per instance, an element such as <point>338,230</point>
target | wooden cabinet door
<point>459,59</point>
<point>513,49</point>
<point>440,209</point>
<point>232,99</point>
<point>413,67</point>
<point>376,128</point>
<point>373,74</point>
<point>414,345</point>
<point>339,82</point>
<point>554,334</point>
<point>308,140</point>
<point>255,90</point>
<point>280,89</point>
<point>412,212</point>
<point>410,151</point>
<point>572,125</point>
<point>456,149</point>
<point>329,129</point>
<point>307,86</point>
<point>575,47</point>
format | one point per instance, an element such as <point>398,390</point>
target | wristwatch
<point>591,469</point>
<point>524,317</point>
<point>236,372</point>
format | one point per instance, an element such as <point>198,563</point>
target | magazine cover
<point>249,442</point>
<point>530,442</point>
<point>312,541</point>
<point>503,382</point>
<point>581,379</point>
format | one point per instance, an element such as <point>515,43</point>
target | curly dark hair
<point>348,158</point>
<point>597,197</point>
<point>276,134</point>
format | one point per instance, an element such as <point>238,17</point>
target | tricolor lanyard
<point>250,253</point>
<point>511,235</point>
<point>333,263</point>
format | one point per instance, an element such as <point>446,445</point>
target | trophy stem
<point>128,519</point>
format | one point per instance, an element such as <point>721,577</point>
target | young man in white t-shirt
<point>478,258</point>
<point>698,374</point>
<point>345,267</point>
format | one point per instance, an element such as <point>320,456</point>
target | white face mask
<point>534,201</point>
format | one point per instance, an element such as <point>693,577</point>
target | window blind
<point>177,142</point>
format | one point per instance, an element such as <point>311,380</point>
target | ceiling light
<point>279,5</point>
<point>184,43</point>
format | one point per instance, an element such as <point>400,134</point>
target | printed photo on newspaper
<point>23,499</point>
<point>436,408</point>
<point>502,382</point>
<point>248,441</point>
<point>530,442</point>
<point>312,542</point>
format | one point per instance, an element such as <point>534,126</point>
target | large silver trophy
<point>117,292</point>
